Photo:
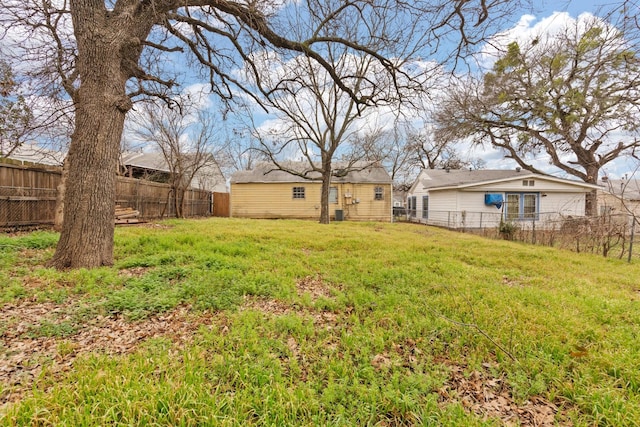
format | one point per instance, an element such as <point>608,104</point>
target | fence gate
<point>221,204</point>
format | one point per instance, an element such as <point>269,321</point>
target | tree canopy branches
<point>573,96</point>
<point>222,36</point>
<point>15,115</point>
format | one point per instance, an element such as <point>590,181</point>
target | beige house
<point>363,194</point>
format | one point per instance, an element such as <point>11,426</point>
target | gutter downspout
<point>391,208</point>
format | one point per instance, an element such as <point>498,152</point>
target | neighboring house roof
<point>209,177</point>
<point>35,154</point>
<point>441,179</point>
<point>153,161</point>
<point>628,189</point>
<point>267,173</point>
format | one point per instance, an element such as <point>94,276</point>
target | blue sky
<point>574,7</point>
<point>543,9</point>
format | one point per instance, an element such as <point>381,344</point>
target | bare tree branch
<point>574,97</point>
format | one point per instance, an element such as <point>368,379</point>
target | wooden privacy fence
<point>156,200</point>
<point>28,196</point>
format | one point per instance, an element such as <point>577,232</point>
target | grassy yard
<point>231,322</point>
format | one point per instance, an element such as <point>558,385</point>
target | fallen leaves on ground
<point>24,354</point>
<point>490,397</point>
<point>314,286</point>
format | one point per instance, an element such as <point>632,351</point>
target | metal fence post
<point>633,228</point>
<point>533,231</point>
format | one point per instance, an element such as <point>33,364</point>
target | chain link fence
<point>610,235</point>
<point>20,207</point>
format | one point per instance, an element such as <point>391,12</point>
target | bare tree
<point>24,117</point>
<point>412,146</point>
<point>240,152</point>
<point>15,115</point>
<point>425,149</point>
<point>106,54</point>
<point>574,97</point>
<point>395,153</point>
<point>318,122</point>
<point>186,139</point>
<point>430,151</point>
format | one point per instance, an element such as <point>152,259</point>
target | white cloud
<point>529,28</point>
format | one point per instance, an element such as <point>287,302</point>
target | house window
<point>298,192</point>
<point>333,194</point>
<point>425,207</point>
<point>411,206</point>
<point>378,193</point>
<point>528,183</point>
<point>521,206</point>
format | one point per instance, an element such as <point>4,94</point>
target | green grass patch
<point>397,311</point>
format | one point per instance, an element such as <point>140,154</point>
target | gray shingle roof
<point>455,177</point>
<point>440,178</point>
<point>155,161</point>
<point>266,173</point>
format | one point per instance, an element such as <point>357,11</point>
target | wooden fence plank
<point>221,205</point>
<point>28,194</point>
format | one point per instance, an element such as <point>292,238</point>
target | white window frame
<point>516,206</point>
<point>299,193</point>
<point>378,193</point>
<point>333,194</point>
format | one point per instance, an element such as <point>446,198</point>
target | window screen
<point>298,192</point>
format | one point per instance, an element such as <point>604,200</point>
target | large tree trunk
<point>324,193</point>
<point>591,198</point>
<point>86,239</point>
<point>101,104</point>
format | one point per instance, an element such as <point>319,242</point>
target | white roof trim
<point>515,178</point>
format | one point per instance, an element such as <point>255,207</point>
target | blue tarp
<point>494,199</point>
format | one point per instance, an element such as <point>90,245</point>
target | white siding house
<point>482,198</point>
